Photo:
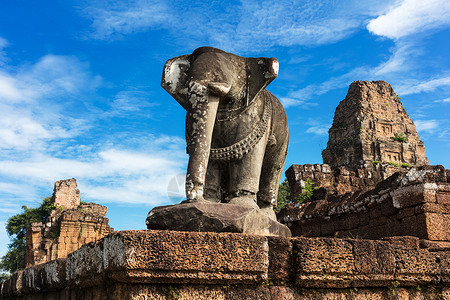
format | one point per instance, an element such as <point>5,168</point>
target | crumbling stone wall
<point>365,126</point>
<point>68,227</point>
<point>329,182</point>
<point>152,264</point>
<point>415,203</point>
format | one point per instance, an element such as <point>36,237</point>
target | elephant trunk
<point>201,115</point>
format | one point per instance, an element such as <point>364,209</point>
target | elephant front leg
<point>200,123</point>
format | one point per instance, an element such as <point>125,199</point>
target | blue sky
<point>80,91</point>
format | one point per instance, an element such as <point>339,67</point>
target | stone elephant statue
<point>236,131</point>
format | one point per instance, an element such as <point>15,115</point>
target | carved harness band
<point>239,149</point>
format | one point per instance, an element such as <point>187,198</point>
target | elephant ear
<point>260,72</point>
<point>174,79</point>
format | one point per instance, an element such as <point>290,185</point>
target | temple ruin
<point>376,181</point>
<point>68,227</point>
<point>371,126</point>
<point>376,227</point>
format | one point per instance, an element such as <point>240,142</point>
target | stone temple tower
<point>371,126</point>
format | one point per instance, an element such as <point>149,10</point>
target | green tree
<point>16,227</point>
<point>284,195</point>
<point>307,192</point>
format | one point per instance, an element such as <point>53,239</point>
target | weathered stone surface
<point>281,260</point>
<point>236,131</point>
<point>65,229</point>
<point>339,182</point>
<point>434,246</point>
<point>371,124</point>
<point>324,262</point>
<point>404,204</point>
<point>66,194</point>
<point>197,265</point>
<point>236,292</point>
<point>206,216</point>
<point>170,256</point>
<point>374,262</point>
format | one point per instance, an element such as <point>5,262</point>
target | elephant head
<point>200,82</point>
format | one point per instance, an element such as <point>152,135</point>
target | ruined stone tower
<point>68,227</point>
<point>371,126</point>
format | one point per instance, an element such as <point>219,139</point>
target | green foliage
<point>375,162</point>
<point>400,137</point>
<point>55,233</point>
<point>405,165</point>
<point>398,97</point>
<point>393,288</point>
<point>4,276</point>
<point>394,164</point>
<point>307,192</point>
<point>16,228</point>
<point>284,195</point>
<point>173,292</point>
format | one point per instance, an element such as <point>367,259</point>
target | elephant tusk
<point>219,88</point>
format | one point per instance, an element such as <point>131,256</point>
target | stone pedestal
<point>206,216</point>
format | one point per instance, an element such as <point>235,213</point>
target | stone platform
<point>207,216</point>
<point>151,264</point>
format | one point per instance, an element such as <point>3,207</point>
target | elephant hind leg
<point>213,191</point>
<point>272,169</point>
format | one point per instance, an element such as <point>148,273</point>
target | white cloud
<point>290,102</point>
<point>403,54</point>
<point>318,130</point>
<point>56,75</point>
<point>29,116</point>
<point>446,100</point>
<point>426,125</point>
<point>261,25</point>
<point>245,26</point>
<point>411,16</point>
<point>114,18</point>
<point>9,88</point>
<point>110,175</point>
<point>420,86</point>
<point>130,102</point>
<point>40,118</point>
<point>403,66</point>
<point>333,83</point>
<point>21,132</point>
<point>22,191</point>
<point>317,127</point>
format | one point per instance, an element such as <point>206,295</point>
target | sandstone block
<point>438,226</point>
<point>326,168</point>
<point>416,267</point>
<point>215,217</point>
<point>374,262</point>
<point>170,256</point>
<point>309,168</point>
<point>443,197</point>
<point>280,260</point>
<point>323,262</point>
